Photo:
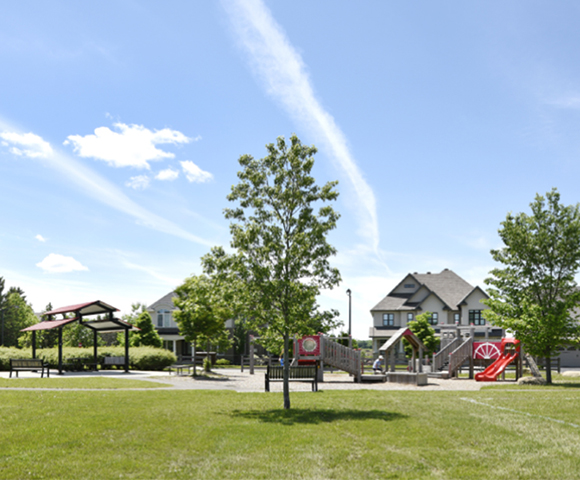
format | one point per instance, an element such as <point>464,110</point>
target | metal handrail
<point>440,357</point>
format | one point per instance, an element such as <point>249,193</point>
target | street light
<point>348,292</point>
<point>2,311</point>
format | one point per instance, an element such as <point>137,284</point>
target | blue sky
<point>121,124</point>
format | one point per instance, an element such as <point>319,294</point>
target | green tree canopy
<point>203,307</point>
<point>16,314</point>
<point>147,335</point>
<point>424,332</point>
<point>534,294</point>
<point>281,242</point>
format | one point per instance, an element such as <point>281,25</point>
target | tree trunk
<point>286,371</point>
<point>548,370</point>
<point>194,348</point>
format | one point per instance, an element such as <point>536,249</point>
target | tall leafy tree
<point>424,332</point>
<point>535,292</point>
<point>281,241</point>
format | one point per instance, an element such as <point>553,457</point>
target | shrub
<point>140,358</point>
<point>222,361</point>
<point>6,353</point>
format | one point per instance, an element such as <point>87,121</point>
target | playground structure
<point>509,352</point>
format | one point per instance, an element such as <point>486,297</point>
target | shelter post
<point>33,343</point>
<point>420,359</point>
<point>95,355</point>
<point>126,350</point>
<point>60,351</point>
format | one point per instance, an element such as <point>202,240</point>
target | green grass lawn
<point>97,382</point>
<point>364,434</point>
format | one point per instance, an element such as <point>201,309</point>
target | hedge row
<point>140,358</point>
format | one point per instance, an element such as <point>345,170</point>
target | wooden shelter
<point>80,312</point>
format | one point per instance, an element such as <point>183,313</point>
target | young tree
<point>535,293</point>
<point>281,242</point>
<point>202,310</point>
<point>424,332</point>
<point>147,336</point>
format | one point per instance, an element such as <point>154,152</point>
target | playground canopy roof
<point>399,335</point>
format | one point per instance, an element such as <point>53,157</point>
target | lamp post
<point>2,311</point>
<point>348,292</point>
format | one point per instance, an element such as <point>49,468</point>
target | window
<point>434,318</point>
<point>388,319</point>
<point>409,285</point>
<point>457,318</point>
<point>475,317</point>
<point>163,318</point>
<point>409,317</point>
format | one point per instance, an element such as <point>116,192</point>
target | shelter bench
<point>28,365</point>
<point>309,373</point>
<point>113,361</point>
<point>179,369</point>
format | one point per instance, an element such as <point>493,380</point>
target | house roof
<point>449,287</point>
<point>165,300</point>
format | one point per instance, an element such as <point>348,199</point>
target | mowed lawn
<point>492,434</point>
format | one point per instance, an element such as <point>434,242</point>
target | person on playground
<point>377,365</point>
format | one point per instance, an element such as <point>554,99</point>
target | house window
<point>457,318</point>
<point>409,285</point>
<point>409,317</point>
<point>388,319</point>
<point>163,318</point>
<point>434,318</point>
<point>476,318</point>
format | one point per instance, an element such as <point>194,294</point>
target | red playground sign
<point>486,350</point>
<point>309,345</point>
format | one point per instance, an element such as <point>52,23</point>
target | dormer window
<point>409,285</point>
<point>163,318</point>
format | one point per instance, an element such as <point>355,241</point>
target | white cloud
<point>26,144</point>
<point>195,174</point>
<point>131,146</point>
<point>168,174</point>
<point>93,185</point>
<point>140,182</point>
<point>40,238</point>
<point>55,263</point>
<point>283,72</point>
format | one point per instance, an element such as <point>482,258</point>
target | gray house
<point>450,299</point>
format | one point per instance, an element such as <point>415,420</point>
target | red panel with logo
<point>309,346</point>
<point>486,350</point>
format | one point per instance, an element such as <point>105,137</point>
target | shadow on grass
<point>313,416</point>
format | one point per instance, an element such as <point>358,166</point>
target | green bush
<point>6,353</point>
<point>140,358</point>
<point>222,361</point>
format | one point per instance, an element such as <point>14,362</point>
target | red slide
<point>508,355</point>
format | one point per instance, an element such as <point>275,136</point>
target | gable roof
<point>449,287</point>
<point>165,300</point>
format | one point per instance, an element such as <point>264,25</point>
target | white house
<point>449,298</point>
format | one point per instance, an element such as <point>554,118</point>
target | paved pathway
<point>233,379</point>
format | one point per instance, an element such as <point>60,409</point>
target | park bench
<point>179,369</point>
<point>78,364</point>
<point>113,361</point>
<point>275,373</point>
<point>28,365</point>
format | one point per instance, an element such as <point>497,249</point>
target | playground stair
<point>338,356</point>
<point>458,356</point>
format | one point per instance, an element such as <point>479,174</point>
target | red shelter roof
<point>49,325</point>
<point>89,308</point>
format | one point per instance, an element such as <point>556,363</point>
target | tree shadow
<point>315,416</point>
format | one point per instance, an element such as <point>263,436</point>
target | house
<point>451,300</point>
<point>161,312</point>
